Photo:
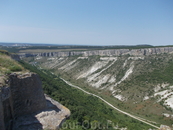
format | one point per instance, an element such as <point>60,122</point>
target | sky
<point>87,22</point>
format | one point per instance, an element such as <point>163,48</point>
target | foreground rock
<point>23,105</point>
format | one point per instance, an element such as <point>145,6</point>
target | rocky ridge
<point>109,52</point>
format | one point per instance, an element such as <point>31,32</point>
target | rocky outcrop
<point>50,118</point>
<point>15,57</point>
<point>1,113</point>
<point>23,105</point>
<point>54,116</point>
<point>27,94</point>
<point>164,127</point>
<point>110,52</point>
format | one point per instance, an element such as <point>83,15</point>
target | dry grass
<point>8,65</point>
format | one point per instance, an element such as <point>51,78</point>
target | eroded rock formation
<point>23,105</point>
<point>109,52</point>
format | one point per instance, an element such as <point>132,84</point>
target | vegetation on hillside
<point>8,65</point>
<point>148,73</point>
<point>87,112</point>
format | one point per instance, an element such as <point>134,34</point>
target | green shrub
<point>8,72</point>
<point>15,68</point>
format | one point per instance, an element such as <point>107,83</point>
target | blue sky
<point>87,22</point>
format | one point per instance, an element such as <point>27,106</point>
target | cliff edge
<point>106,52</point>
<point>23,105</point>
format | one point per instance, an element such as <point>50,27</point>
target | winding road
<point>130,115</point>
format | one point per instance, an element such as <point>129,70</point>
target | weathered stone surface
<point>50,118</point>
<point>7,106</point>
<point>23,105</point>
<point>27,94</point>
<point>1,113</point>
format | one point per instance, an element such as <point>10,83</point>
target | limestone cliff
<point>23,105</point>
<point>109,52</point>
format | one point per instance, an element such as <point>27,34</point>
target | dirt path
<point>137,118</point>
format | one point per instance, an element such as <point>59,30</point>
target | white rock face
<point>161,93</point>
<point>157,88</point>
<point>160,86</point>
<point>66,67</point>
<point>94,68</point>
<point>146,98</point>
<point>92,77</point>
<point>98,65</point>
<point>166,114</point>
<point>38,58</point>
<point>51,58</point>
<point>169,101</point>
<point>112,79</point>
<point>120,97</point>
<point>135,58</point>
<point>167,96</point>
<point>128,72</point>
<point>108,58</point>
<point>171,87</point>
<point>125,63</point>
<point>82,57</point>
<point>102,79</point>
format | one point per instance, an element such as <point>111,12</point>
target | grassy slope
<point>7,66</point>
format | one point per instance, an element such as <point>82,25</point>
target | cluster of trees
<point>87,112</point>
